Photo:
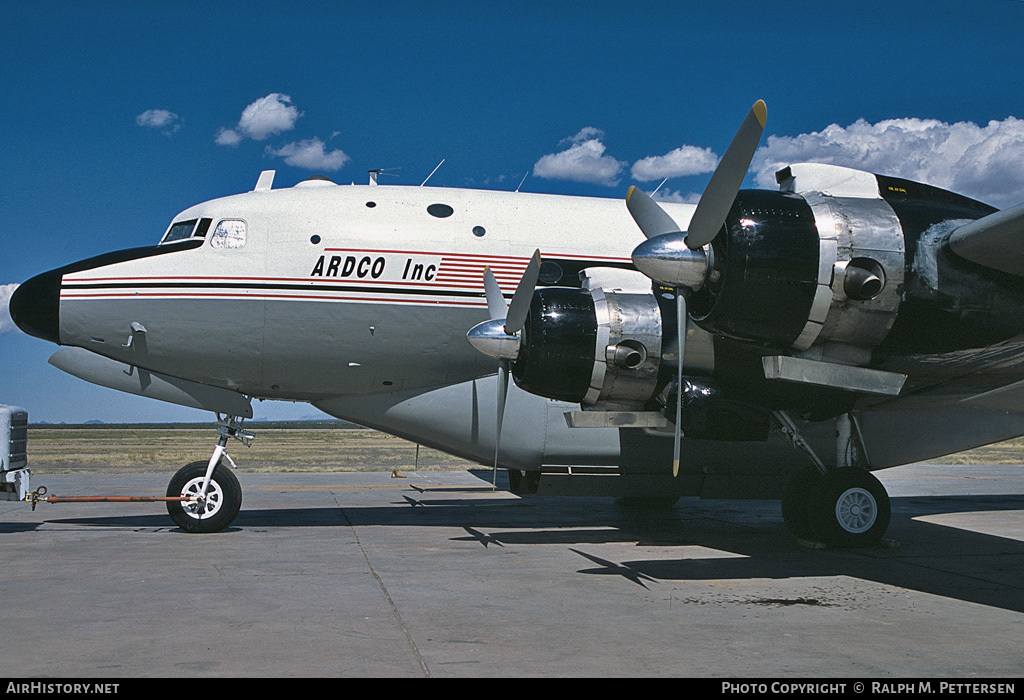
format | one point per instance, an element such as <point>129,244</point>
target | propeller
<point>680,259</point>
<point>499,336</point>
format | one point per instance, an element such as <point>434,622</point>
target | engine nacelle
<point>591,346</point>
<point>708,414</point>
<point>794,271</point>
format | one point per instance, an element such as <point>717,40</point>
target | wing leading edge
<point>995,241</point>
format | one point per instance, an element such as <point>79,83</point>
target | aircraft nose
<point>35,306</point>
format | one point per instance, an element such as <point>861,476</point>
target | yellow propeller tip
<point>629,193</point>
<point>761,112</point>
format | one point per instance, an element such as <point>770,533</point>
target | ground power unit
<point>14,473</point>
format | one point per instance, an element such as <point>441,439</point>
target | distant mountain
<point>303,418</point>
<point>310,423</point>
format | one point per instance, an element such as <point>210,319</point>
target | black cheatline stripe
<point>119,256</point>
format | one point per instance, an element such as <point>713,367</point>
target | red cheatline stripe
<point>480,263</point>
<point>82,280</point>
<point>426,301</point>
<point>212,281</point>
<point>467,256</point>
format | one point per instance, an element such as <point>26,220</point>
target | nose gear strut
<point>214,495</point>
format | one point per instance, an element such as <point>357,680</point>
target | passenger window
<point>441,211</point>
<point>230,233</point>
<point>179,231</point>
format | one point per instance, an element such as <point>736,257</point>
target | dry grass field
<point>291,447</point>
<point>136,448</point>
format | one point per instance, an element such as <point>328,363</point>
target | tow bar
<point>39,496</point>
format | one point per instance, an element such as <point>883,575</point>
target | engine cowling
<point>793,271</point>
<point>590,346</point>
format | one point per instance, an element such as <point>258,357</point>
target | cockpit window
<point>179,231</point>
<point>230,233</point>
<point>202,228</point>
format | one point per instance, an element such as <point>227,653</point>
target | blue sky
<point>115,115</point>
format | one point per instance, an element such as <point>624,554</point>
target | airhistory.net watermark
<point>41,688</point>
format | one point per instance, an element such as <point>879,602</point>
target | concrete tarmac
<point>436,575</point>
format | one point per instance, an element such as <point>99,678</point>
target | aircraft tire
<point>849,508</point>
<point>796,502</point>
<point>224,498</point>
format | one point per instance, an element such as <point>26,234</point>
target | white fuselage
<point>336,290</point>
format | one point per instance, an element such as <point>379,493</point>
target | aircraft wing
<point>995,241</point>
<point>990,378</point>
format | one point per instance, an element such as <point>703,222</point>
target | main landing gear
<point>211,494</point>
<point>842,507</point>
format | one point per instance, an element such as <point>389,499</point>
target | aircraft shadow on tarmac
<point>931,558</point>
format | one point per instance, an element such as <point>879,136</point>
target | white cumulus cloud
<point>228,137</point>
<point>159,119</point>
<point>983,162</point>
<point>685,160</point>
<point>583,161</point>
<point>310,154</point>
<point>676,196</point>
<point>268,115</point>
<point>6,324</point>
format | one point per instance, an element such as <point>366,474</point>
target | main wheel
<point>223,498</point>
<point>849,508</point>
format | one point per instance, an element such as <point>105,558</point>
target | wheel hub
<point>202,507</point>
<point>856,510</point>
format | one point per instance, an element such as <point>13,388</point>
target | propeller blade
<point>496,307</point>
<point>681,325</point>
<point>503,366</point>
<point>648,215</point>
<point>725,182</point>
<point>519,307</point>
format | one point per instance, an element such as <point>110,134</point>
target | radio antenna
<point>432,173</point>
<point>381,171</point>
<point>523,180</point>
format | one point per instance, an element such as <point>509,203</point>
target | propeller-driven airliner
<point>759,344</point>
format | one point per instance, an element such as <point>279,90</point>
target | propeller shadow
<point>931,558</point>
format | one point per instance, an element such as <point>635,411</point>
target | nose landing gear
<point>212,495</point>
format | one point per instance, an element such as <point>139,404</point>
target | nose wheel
<point>209,512</point>
<point>211,491</point>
